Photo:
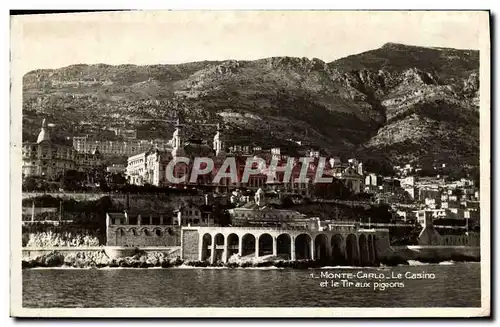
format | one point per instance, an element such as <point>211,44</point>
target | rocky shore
<point>99,259</point>
<point>430,254</point>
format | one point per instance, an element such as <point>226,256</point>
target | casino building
<point>150,167</point>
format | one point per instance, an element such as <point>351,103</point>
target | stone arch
<point>146,232</point>
<point>351,246</point>
<point>232,244</point>
<point>248,244</point>
<point>284,243</point>
<point>338,249</point>
<point>158,232</point>
<point>363,250</point>
<point>321,248</point>
<point>170,231</point>
<point>303,247</point>
<point>265,244</point>
<point>219,240</point>
<point>133,231</point>
<point>206,247</point>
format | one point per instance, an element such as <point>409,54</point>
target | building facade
<point>49,159</point>
<point>258,213</point>
<point>85,144</point>
<point>141,230</point>
<point>340,245</point>
<point>150,167</point>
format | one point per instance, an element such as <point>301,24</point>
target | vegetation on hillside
<point>399,103</point>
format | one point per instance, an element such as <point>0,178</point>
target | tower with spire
<point>178,140</point>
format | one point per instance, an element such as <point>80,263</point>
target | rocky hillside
<point>402,102</point>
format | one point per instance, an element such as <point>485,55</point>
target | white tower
<point>178,140</point>
<point>44,134</point>
<point>360,168</point>
<point>219,141</point>
<point>259,197</point>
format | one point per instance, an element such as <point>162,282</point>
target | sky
<point>169,37</point>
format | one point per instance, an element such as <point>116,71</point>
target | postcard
<point>250,164</point>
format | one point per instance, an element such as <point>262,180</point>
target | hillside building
<point>150,167</point>
<point>85,144</point>
<point>50,159</point>
<point>259,213</point>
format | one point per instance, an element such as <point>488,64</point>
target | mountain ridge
<point>380,103</point>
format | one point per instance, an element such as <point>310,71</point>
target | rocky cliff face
<point>402,102</point>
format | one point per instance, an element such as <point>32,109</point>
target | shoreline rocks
<point>98,259</point>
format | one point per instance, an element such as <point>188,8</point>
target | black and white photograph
<point>250,163</point>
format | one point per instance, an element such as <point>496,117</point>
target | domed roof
<point>44,134</point>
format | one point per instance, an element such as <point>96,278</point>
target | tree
<point>286,202</point>
<point>455,173</point>
<point>362,197</point>
<point>29,184</point>
<point>71,180</point>
<point>380,213</point>
<point>334,190</point>
<point>115,179</point>
<point>221,215</point>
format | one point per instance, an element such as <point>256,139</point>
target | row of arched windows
<point>146,232</point>
<point>456,240</point>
